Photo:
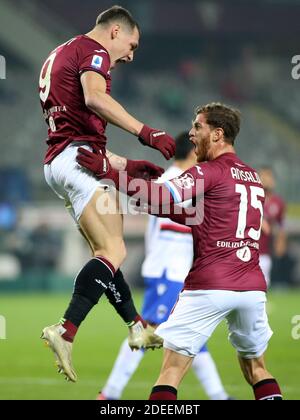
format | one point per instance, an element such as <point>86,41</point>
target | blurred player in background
<point>225,281</point>
<point>273,236</point>
<point>169,257</point>
<point>75,84</point>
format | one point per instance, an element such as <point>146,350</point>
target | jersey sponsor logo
<point>186,181</point>
<point>240,245</point>
<point>199,170</point>
<point>97,62</point>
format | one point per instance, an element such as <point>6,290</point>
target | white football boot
<point>62,350</point>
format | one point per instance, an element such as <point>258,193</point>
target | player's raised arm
<point>97,100</point>
<point>102,104</point>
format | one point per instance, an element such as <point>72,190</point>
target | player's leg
<point>141,333</point>
<point>158,302</point>
<point>203,364</point>
<point>120,297</point>
<point>206,371</point>
<point>104,233</point>
<point>90,283</point>
<point>191,323</point>
<point>86,197</point>
<point>101,222</point>
<point>265,387</point>
<point>174,368</point>
<point>249,334</point>
<point>96,212</point>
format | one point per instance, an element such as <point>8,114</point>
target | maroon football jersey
<point>274,211</point>
<point>62,97</point>
<point>226,243</point>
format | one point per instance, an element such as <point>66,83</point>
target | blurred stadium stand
<point>191,53</point>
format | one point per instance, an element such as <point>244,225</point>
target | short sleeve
<point>91,59</point>
<point>194,182</point>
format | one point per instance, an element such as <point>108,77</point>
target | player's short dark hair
<point>117,14</point>
<point>222,116</point>
<point>183,146</point>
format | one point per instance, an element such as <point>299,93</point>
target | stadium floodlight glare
<point>2,67</point>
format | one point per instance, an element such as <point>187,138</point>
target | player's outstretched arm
<point>147,191</point>
<point>103,105</point>
<point>117,162</point>
<point>135,168</point>
<point>153,193</point>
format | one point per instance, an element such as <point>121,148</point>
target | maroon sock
<point>71,331</point>
<point>139,318</point>
<point>268,389</point>
<point>163,392</point>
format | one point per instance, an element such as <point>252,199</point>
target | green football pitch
<point>27,367</point>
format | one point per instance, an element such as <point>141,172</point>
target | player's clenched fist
<point>157,139</point>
